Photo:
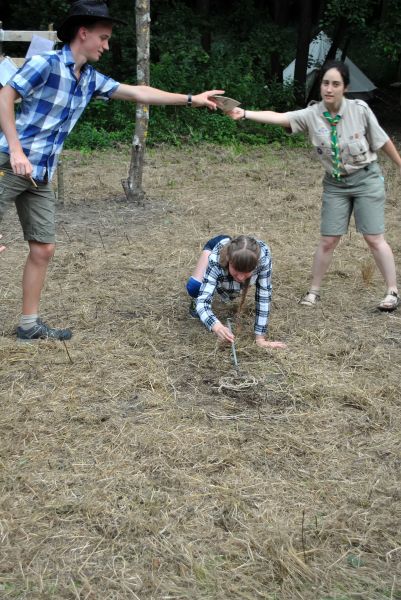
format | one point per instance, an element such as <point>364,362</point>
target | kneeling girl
<point>229,266</point>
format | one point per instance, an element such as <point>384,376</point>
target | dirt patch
<point>127,470</point>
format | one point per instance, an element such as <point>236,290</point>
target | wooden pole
<point>60,182</point>
<point>133,184</point>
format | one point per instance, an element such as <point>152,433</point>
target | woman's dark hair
<point>242,253</point>
<point>341,67</point>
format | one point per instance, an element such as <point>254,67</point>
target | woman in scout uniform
<point>229,266</point>
<point>346,136</point>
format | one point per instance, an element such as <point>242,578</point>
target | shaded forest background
<point>238,45</point>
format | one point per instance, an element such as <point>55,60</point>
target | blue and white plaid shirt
<point>52,102</point>
<point>217,279</point>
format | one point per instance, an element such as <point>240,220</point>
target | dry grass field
<point>126,471</point>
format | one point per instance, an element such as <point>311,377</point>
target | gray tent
<point>360,85</point>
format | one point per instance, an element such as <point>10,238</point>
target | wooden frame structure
<point>23,36</point>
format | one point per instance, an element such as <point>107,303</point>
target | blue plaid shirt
<point>219,279</point>
<point>52,102</point>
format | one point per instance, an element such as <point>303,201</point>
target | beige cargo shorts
<point>36,207</point>
<point>361,193</point>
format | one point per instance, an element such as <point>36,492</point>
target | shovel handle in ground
<point>233,351</point>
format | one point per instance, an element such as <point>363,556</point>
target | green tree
<point>345,18</point>
<point>386,38</point>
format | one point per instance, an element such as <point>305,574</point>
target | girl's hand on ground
<point>236,113</point>
<point>223,333</point>
<point>2,247</point>
<point>263,343</point>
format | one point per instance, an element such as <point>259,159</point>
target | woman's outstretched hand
<point>263,343</point>
<point>236,113</point>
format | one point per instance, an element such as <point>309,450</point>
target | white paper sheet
<point>39,45</point>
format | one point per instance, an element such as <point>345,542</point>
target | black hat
<point>81,9</point>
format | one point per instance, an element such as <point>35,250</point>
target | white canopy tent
<point>360,86</point>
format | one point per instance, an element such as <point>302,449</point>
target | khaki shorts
<point>362,193</point>
<point>36,207</point>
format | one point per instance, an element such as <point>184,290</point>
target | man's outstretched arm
<point>144,94</point>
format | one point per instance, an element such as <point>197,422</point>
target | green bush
<point>88,136</point>
<point>103,127</point>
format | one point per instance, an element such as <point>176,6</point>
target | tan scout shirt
<point>358,132</point>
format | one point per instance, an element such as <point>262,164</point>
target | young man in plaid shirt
<point>55,88</point>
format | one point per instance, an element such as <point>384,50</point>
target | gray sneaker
<point>192,309</point>
<point>41,331</point>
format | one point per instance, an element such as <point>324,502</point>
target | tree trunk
<point>280,18</point>
<point>301,59</point>
<point>320,11</point>
<point>344,52</point>
<point>383,11</point>
<point>133,184</point>
<point>203,10</point>
<point>338,38</point>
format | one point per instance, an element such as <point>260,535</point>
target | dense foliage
<point>237,45</point>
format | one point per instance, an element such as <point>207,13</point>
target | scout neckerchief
<point>335,149</point>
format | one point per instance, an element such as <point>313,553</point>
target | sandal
<point>389,302</point>
<point>310,299</point>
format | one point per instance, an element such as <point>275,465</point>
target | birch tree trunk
<point>133,184</point>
